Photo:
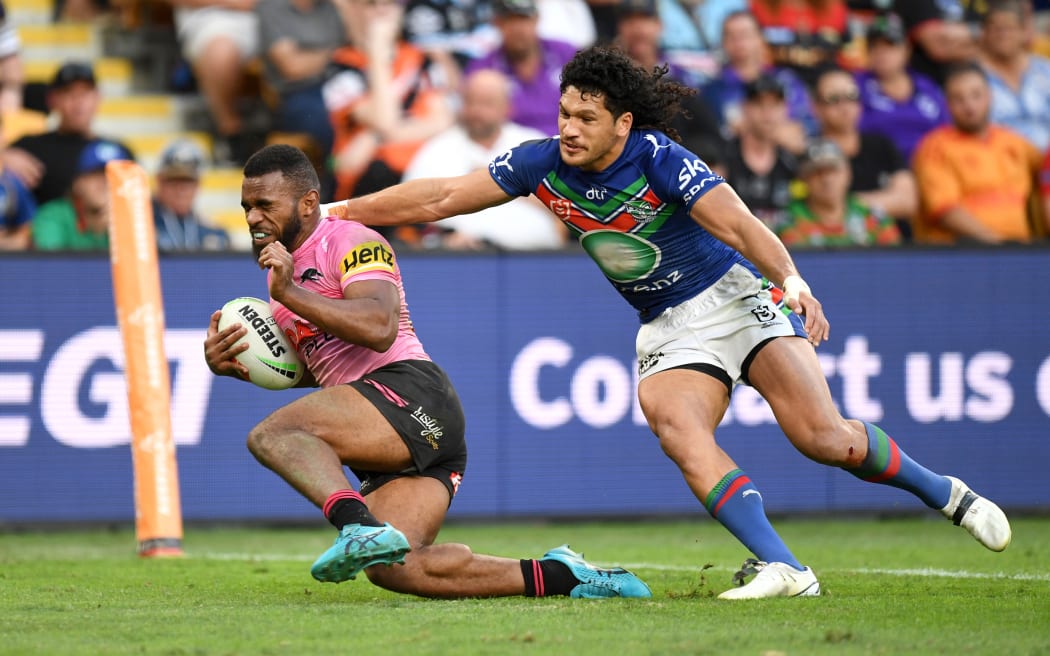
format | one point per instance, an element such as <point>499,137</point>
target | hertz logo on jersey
<point>369,256</point>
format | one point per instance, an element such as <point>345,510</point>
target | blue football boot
<point>358,547</point>
<point>596,582</point>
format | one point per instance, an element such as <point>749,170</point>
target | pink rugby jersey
<point>335,255</point>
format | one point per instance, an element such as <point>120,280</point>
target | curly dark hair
<point>652,98</point>
<point>290,161</point>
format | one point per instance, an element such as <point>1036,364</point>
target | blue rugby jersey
<point>632,218</point>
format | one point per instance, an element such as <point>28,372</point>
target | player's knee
<point>264,443</point>
<point>686,448</point>
<point>828,444</point>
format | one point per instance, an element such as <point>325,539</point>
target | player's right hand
<point>220,348</point>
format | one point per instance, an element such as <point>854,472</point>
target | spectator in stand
<point>297,39</point>
<point>46,163</point>
<point>638,31</point>
<point>938,34</point>
<point>1019,80</point>
<point>568,21</point>
<point>697,25</point>
<point>79,221</point>
<point>385,97</point>
<point>975,177</point>
<point>760,169</point>
<point>219,38</point>
<point>12,79</point>
<point>458,28</point>
<point>482,133</point>
<point>896,102</point>
<point>806,35</point>
<point>746,56</point>
<point>638,35</point>
<point>604,14</point>
<point>532,64</point>
<point>17,207</point>
<point>880,175</point>
<point>178,225</point>
<point>828,214</point>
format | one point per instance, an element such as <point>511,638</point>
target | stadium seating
<point>131,65</point>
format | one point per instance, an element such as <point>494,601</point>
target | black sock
<point>547,578</point>
<point>351,511</point>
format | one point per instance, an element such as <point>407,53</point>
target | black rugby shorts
<point>418,400</point>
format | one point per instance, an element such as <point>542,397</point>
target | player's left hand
<point>278,260</point>
<point>817,325</point>
<point>800,300</point>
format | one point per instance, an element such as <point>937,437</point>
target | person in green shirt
<point>79,221</point>
<point>828,214</point>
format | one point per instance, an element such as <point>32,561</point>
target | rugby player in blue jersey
<point>679,245</point>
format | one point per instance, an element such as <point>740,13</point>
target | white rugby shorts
<point>720,328</point>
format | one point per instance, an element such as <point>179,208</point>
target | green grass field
<point>903,586</point>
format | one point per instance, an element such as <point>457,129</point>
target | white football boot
<point>982,518</point>
<point>773,580</point>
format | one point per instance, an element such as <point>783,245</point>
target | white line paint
<point>924,572</point>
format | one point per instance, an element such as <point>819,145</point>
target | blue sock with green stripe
<point>887,464</point>
<point>736,503</point>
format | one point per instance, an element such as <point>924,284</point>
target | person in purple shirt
<point>532,64</point>
<point>896,101</point>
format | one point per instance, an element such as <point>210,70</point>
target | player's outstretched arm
<point>722,213</point>
<point>422,201</point>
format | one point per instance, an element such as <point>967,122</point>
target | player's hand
<point>278,260</point>
<point>336,208</point>
<point>817,325</point>
<point>220,348</point>
<point>800,300</point>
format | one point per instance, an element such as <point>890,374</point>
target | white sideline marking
<point>927,572</point>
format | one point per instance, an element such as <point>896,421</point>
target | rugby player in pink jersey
<point>384,410</point>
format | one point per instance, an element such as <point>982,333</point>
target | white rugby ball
<point>271,361</point>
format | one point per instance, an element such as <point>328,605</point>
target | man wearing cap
<point>47,162</point>
<point>178,225</point>
<point>828,214</point>
<point>532,64</point>
<point>79,221</point>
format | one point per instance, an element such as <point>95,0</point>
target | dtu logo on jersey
<point>596,193</point>
<point>562,208</point>
<point>502,161</point>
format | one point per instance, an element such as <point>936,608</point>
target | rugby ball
<point>271,361</point>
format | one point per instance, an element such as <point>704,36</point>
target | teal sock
<point>887,464</point>
<point>736,503</point>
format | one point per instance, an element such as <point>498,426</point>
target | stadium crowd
<point>839,122</point>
